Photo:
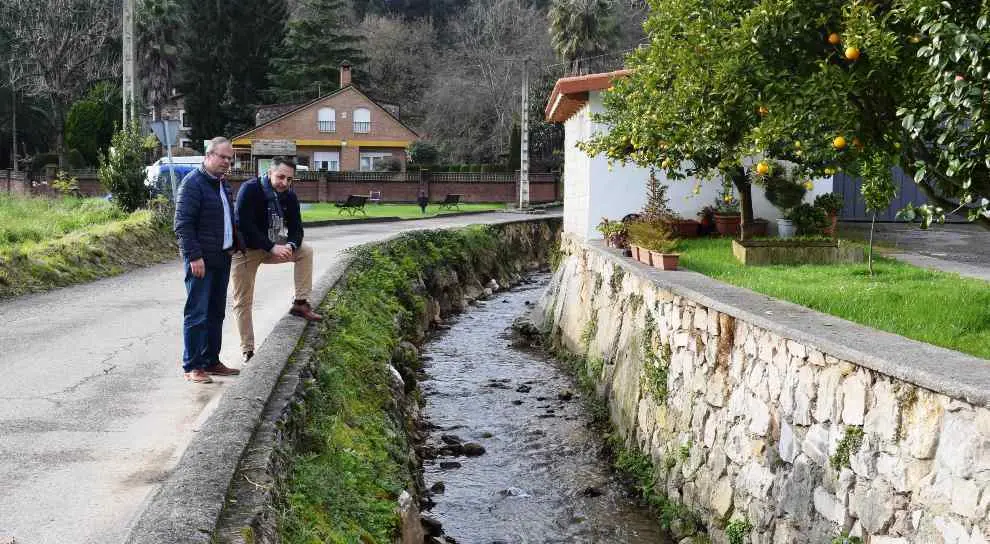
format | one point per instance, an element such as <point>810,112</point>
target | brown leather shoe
<point>305,311</point>
<point>198,375</point>
<point>219,369</point>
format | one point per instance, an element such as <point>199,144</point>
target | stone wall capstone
<point>763,411</point>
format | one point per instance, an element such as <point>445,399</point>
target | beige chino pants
<point>244,269</point>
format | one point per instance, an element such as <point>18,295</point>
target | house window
<point>326,160</point>
<point>374,161</point>
<point>327,120</point>
<point>362,121</point>
<point>182,120</point>
<point>185,142</point>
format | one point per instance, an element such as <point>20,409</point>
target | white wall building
<point>593,189</point>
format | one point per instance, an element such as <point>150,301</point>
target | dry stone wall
<point>762,412</point>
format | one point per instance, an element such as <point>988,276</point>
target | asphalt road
<point>93,407</point>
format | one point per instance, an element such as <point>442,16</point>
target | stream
<point>542,477</point>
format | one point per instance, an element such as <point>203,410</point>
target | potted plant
<point>682,228</point>
<point>785,193</point>
<point>831,204</point>
<point>727,218</point>
<point>663,255</point>
<point>808,220</point>
<point>648,238</point>
<point>614,233</point>
<point>706,217</point>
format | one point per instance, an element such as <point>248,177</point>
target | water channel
<point>542,478</point>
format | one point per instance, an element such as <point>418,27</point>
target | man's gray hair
<point>215,142</point>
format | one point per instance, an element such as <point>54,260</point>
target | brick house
<point>342,131</point>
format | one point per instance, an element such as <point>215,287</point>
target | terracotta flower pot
<point>665,261</point>
<point>727,224</point>
<point>634,252</point>
<point>685,228</point>
<point>643,255</point>
<point>833,222</point>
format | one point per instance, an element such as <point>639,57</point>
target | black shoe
<point>247,356</point>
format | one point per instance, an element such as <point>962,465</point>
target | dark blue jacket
<point>252,216</point>
<point>199,217</point>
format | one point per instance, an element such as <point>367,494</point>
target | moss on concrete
<point>357,458</point>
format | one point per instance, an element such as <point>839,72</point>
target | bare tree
<point>400,61</point>
<point>475,95</point>
<point>63,47</point>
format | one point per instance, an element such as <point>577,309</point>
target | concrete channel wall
<point>227,486</point>
<point>761,413</point>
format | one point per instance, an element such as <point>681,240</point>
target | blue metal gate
<point>855,210</point>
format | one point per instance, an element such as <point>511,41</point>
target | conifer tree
<point>314,47</point>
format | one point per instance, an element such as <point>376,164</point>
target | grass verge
<point>85,254</point>
<point>326,211</point>
<point>934,307</point>
<point>24,220</point>
<point>355,458</point>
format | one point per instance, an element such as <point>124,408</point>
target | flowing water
<point>542,477</point>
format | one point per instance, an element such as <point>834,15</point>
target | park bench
<point>353,204</point>
<point>451,202</point>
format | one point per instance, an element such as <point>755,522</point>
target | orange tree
<point>691,103</point>
<point>849,81</point>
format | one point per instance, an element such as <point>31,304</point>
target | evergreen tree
<point>581,29</point>
<point>316,43</point>
<point>224,56</point>
<point>158,27</point>
<point>204,62</point>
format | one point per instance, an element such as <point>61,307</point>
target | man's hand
<point>198,268</point>
<point>282,252</point>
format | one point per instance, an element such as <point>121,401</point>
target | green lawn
<point>939,308</point>
<point>24,220</point>
<point>327,211</point>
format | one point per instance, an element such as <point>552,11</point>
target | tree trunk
<point>745,189</point>
<point>13,129</point>
<point>869,258</point>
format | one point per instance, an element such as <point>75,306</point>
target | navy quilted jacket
<point>199,216</point>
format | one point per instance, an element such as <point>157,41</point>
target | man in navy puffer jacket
<point>204,225</point>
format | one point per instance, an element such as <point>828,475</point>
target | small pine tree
<point>657,209</point>
<point>122,169</point>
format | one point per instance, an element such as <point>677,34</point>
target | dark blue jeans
<point>206,300</point>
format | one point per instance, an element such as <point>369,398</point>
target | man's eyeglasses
<point>227,158</point>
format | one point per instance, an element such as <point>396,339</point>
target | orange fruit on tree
<point>762,111</point>
<point>852,53</point>
<point>834,38</point>
<point>839,142</point>
<point>762,168</point>
<point>665,163</point>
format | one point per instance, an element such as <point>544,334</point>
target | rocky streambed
<point>511,456</point>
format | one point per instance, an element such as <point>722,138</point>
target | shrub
<point>808,220</point>
<point>65,184</point>
<point>784,192</point>
<point>122,169</point>
<point>422,152</point>
<point>652,236</point>
<point>831,203</point>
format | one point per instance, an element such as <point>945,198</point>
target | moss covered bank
<point>347,459</point>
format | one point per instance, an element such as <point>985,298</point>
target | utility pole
<point>524,139</point>
<point>127,89</point>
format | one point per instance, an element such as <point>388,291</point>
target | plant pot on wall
<point>665,261</point>
<point>727,224</point>
<point>832,222</point>
<point>643,255</point>
<point>785,228</point>
<point>685,228</point>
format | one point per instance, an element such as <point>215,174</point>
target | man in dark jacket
<point>270,226</point>
<point>204,224</point>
